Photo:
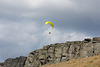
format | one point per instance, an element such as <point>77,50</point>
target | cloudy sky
<point>23,28</point>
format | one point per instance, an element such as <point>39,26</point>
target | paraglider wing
<point>50,23</point>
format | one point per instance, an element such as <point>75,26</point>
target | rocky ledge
<point>55,53</point>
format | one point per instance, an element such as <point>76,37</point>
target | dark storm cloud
<point>84,17</point>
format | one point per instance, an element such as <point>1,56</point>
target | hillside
<point>81,62</point>
<point>59,52</point>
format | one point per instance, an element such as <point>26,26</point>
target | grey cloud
<point>17,39</point>
<point>24,22</point>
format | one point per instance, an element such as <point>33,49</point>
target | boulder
<point>87,40</point>
<point>96,40</point>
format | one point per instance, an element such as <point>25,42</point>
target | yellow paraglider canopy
<point>48,22</point>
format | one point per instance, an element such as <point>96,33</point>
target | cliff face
<point>60,52</point>
<point>56,53</point>
<point>14,62</point>
<point>93,61</point>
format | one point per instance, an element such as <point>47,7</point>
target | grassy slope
<point>81,62</point>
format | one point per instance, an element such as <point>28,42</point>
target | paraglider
<point>49,32</point>
<point>48,22</point>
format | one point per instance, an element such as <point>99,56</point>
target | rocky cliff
<point>56,53</point>
<point>14,62</point>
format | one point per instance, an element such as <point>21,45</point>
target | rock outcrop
<point>61,52</point>
<point>14,62</point>
<point>56,53</point>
